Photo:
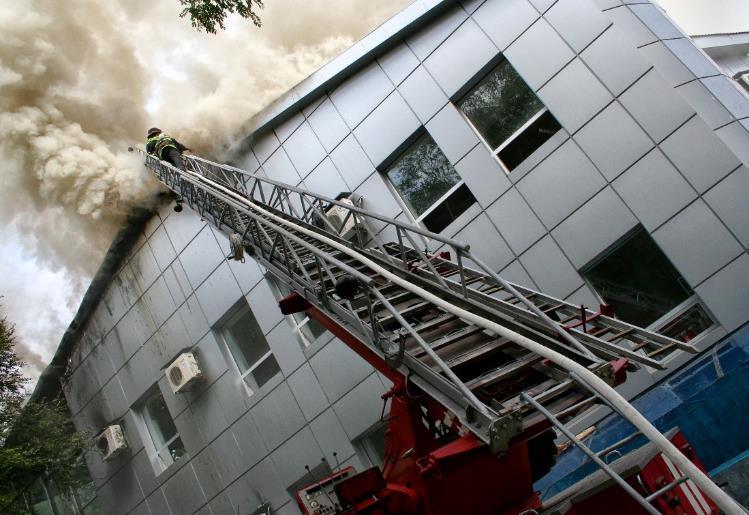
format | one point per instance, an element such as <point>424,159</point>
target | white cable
<point>721,498</point>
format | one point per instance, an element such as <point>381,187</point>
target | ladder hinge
<point>504,429</point>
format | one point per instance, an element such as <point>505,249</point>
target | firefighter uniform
<point>165,147</point>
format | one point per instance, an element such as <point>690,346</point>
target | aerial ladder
<point>486,374</point>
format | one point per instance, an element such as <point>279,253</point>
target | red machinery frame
<point>433,466</point>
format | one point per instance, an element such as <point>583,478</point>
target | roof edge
<point>348,62</point>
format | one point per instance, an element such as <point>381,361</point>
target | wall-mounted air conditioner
<point>184,372</point>
<point>342,218</point>
<point>111,442</point>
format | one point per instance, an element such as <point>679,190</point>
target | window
<point>645,289</point>
<point>304,328</point>
<point>372,444</point>
<point>429,185</point>
<point>249,349</point>
<point>508,115</point>
<point>167,444</point>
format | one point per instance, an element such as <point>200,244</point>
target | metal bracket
<point>606,372</point>
<point>502,430</point>
<point>395,357</point>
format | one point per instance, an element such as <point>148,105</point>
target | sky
<point>81,80</point>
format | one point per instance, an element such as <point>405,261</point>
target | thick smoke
<point>81,80</point>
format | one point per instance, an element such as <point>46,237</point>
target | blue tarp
<point>707,404</point>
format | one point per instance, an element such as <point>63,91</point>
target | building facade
<point>585,148</point>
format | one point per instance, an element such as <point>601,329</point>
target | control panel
<point>320,498</point>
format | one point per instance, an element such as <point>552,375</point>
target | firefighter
<point>165,147</point>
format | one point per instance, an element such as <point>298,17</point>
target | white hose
<point>721,498</point>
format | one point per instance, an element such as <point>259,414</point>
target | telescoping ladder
<point>498,356</point>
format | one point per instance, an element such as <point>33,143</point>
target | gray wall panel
<point>425,41</point>
<point>423,94</point>
<point>460,57</point>
<point>483,174</point>
<point>617,65</point>
<point>550,269</point>
<point>594,227</point>
<point>653,103</point>
<point>385,129</point>
<point>277,416</point>
<point>452,133</point>
<point>560,184</point>
<point>729,200</point>
<point>515,220</point>
<point>654,189</point>
<point>398,63</point>
<point>613,140</point>
<point>504,21</point>
<point>539,54</point>
<point>183,491</point>
<point>351,161</point>
<point>218,293</point>
<point>358,96</point>
<point>304,149</point>
<point>697,242</point>
<point>725,293</point>
<point>699,154</point>
<point>578,21</point>
<point>328,125</point>
<point>575,95</point>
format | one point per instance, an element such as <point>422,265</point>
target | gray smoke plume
<point>81,80</point>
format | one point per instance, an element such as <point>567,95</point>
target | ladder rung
<point>504,371</point>
<point>478,351</point>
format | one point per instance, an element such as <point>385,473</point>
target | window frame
<point>158,452</point>
<point>512,137</point>
<point>419,219</point>
<point>298,321</point>
<point>249,381</point>
<point>666,318</point>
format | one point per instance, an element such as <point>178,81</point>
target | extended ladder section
<point>499,356</point>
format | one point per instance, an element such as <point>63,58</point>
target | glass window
<point>249,349</point>
<point>645,289</point>
<point>166,441</point>
<point>508,115</point>
<point>372,443</point>
<point>429,185</point>
<point>304,328</point>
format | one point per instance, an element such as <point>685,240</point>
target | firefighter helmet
<point>153,131</point>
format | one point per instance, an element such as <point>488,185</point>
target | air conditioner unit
<point>342,219</point>
<point>111,442</point>
<point>184,372</point>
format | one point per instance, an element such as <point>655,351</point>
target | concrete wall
<point>635,149</point>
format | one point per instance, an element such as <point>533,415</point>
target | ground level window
<point>508,115</point>
<point>636,278</point>
<point>167,444</point>
<point>249,348</point>
<point>430,187</point>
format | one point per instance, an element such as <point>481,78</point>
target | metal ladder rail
<point>231,177</point>
<point>590,380</point>
<point>570,314</point>
<point>524,298</point>
<point>599,457</point>
<point>281,270</point>
<point>450,391</point>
